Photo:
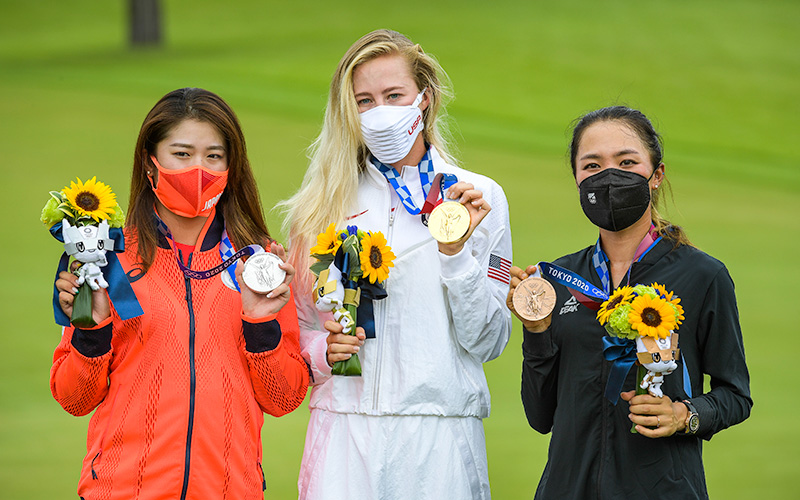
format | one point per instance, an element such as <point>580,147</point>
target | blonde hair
<point>338,155</point>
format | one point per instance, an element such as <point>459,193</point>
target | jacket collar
<point>210,235</point>
<point>651,258</point>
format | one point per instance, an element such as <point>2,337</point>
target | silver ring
<point>658,421</point>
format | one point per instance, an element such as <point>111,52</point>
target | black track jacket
<point>593,454</point>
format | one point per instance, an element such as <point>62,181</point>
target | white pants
<point>361,457</point>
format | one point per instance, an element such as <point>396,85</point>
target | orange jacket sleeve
<point>278,372</point>
<point>79,375</point>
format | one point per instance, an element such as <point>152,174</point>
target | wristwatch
<point>692,422</point>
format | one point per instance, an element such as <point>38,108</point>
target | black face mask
<point>614,199</point>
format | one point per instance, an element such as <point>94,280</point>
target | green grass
<point>719,77</point>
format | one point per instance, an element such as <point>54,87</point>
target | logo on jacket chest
<point>570,306</point>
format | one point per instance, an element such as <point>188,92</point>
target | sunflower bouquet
<point>351,266</point>
<point>648,316</point>
<point>80,216</point>
<point>637,311</point>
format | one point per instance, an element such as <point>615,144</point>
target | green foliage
<point>720,78</point>
<point>323,262</point>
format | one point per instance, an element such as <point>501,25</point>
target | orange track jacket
<point>179,391</point>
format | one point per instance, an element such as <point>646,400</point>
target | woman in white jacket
<point>411,425</point>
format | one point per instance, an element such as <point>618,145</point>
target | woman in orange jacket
<point>180,391</point>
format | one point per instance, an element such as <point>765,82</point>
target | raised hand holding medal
<point>452,221</point>
<point>531,298</point>
<point>255,302</point>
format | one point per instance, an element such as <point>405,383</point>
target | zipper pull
<point>94,474</point>
<point>263,477</point>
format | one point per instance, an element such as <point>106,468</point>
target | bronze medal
<point>261,272</point>
<point>449,222</point>
<point>534,298</point>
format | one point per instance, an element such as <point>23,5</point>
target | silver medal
<point>261,272</point>
<point>227,280</point>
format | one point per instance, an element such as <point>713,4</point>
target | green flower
<point>55,209</point>
<point>117,219</point>
<point>618,321</point>
<point>640,290</point>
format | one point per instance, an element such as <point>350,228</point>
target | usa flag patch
<point>499,269</point>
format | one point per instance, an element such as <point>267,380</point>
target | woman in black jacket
<point>616,158</point>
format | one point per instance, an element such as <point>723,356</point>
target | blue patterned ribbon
<point>119,289</point>
<point>399,185</point>
<point>226,251</point>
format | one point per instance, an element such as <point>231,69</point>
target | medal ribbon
<point>581,288</point>
<point>226,251</point>
<point>441,183</point>
<point>119,288</point>
<point>399,185</point>
<point>208,273</point>
<point>600,261</point>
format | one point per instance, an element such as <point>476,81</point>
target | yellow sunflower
<point>327,242</point>
<point>376,257</point>
<point>93,199</point>
<point>619,296</point>
<point>678,310</point>
<point>653,317</point>
<point>662,292</point>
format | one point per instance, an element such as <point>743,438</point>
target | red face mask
<point>191,191</point>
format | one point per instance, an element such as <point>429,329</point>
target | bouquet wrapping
<point>351,267</point>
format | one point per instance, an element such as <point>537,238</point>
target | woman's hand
<point>257,305</point>
<point>655,417</point>
<point>67,286</point>
<point>466,194</point>
<point>517,275</point>
<point>341,346</point>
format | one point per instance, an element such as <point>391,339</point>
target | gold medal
<point>534,298</point>
<point>449,222</point>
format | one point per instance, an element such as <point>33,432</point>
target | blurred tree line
<point>145,22</point>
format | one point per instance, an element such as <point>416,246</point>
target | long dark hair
<point>240,202</point>
<point>646,132</point>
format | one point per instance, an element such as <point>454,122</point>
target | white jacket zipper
<point>382,308</point>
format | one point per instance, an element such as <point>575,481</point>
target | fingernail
<point>74,290</point>
<point>269,295</point>
<point>357,348</point>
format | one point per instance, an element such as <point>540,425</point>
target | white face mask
<point>390,131</point>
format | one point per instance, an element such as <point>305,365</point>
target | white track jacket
<point>443,318</point>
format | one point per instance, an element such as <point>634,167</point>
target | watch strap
<point>690,416</point>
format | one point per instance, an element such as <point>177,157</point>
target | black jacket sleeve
<point>539,378</point>
<point>722,357</point>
